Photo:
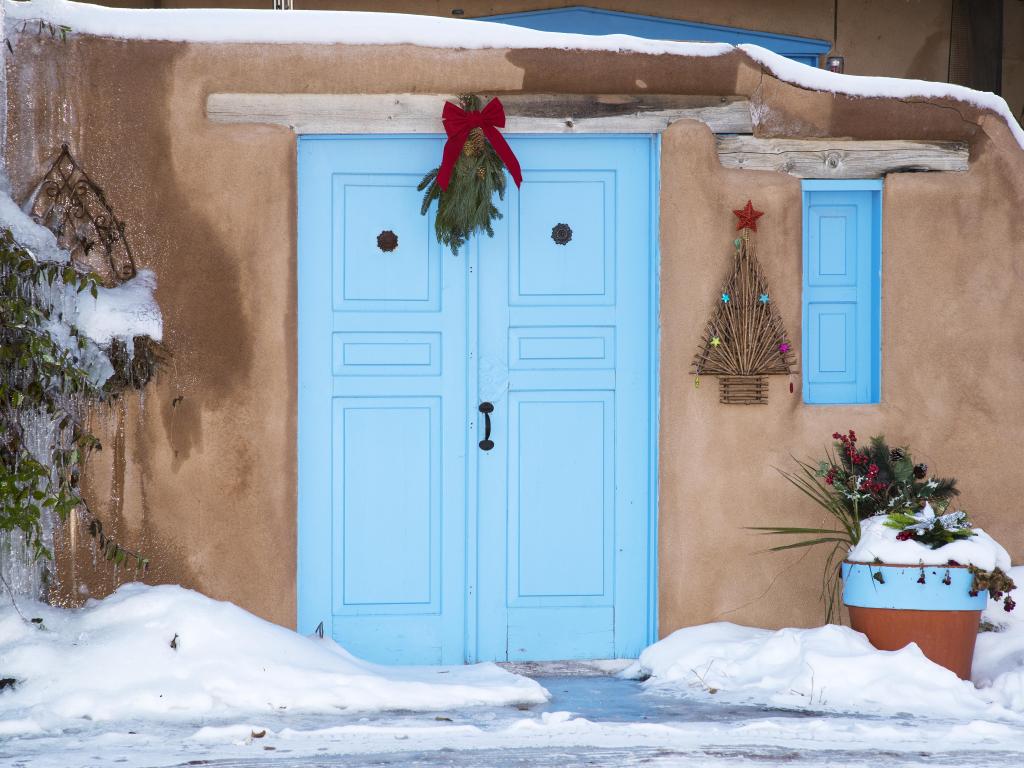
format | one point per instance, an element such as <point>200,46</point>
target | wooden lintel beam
<point>840,158</point>
<point>526,113</point>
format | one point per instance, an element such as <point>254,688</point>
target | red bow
<point>458,123</point>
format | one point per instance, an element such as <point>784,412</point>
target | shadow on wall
<point>198,289</point>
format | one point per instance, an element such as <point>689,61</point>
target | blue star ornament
<point>725,298</point>
<point>764,298</point>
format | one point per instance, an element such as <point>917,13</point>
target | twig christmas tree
<point>744,340</point>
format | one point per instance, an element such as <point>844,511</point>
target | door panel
<point>390,556</point>
<point>382,406</point>
<point>582,271</point>
<point>366,278</point>
<point>560,498</point>
<point>564,356</point>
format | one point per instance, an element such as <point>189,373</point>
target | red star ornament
<point>748,217</point>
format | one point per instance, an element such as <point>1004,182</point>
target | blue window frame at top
<point>597,21</point>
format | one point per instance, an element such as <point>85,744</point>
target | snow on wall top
<point>891,87</point>
<point>351,27</point>
<point>366,28</point>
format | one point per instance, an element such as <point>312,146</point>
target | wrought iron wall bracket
<point>74,208</point>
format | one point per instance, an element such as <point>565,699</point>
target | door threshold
<point>567,668</point>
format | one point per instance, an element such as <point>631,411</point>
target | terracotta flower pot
<point>931,605</point>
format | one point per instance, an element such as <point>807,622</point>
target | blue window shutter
<point>842,291</point>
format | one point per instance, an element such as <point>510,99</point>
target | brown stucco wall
<point>951,371</point>
<point>200,470</point>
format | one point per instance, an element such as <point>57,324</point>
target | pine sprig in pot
<point>467,206</point>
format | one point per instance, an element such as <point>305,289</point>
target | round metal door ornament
<point>561,233</point>
<point>387,241</point>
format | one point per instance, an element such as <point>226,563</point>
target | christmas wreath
<point>472,171</point>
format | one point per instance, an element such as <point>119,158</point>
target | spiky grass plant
<point>852,484</point>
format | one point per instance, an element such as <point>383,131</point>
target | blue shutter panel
<point>841,291</point>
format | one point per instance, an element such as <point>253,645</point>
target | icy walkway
<point>590,721</point>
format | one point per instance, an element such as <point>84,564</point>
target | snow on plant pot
<point>899,589</point>
<point>910,574</point>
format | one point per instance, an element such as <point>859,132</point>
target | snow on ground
<point>113,659</point>
<point>830,668</point>
<point>590,722</point>
<point>833,668</point>
<point>999,656</point>
<point>878,543</point>
<point>363,28</point>
<point>104,681</point>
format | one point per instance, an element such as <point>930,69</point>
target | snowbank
<point>878,543</point>
<point>832,668</point>
<point>362,28</point>
<point>999,656</point>
<point>113,659</point>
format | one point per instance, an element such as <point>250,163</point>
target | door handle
<point>486,409</point>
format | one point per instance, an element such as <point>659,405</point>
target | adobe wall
<point>905,39</point>
<point>895,39</point>
<point>200,471</point>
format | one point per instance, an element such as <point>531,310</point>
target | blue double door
<point>476,430</point>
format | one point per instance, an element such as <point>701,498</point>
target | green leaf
<point>809,543</point>
<point>783,531</point>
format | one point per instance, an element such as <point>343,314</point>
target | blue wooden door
<point>415,545</point>
<point>382,405</point>
<point>564,308</point>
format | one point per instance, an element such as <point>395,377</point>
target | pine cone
<point>920,470</point>
<point>897,454</point>
<point>474,143</point>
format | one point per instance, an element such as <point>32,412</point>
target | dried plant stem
<point>14,602</point>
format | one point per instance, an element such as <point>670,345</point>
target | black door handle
<point>486,409</point>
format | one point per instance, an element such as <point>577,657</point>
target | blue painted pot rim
<point>877,585</point>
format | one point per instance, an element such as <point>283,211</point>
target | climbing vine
<point>44,391</point>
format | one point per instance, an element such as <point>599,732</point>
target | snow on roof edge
<point>370,28</point>
<point>216,25</point>
<point>816,79</point>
